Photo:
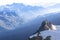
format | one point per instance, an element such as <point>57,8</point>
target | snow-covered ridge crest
<point>53,33</point>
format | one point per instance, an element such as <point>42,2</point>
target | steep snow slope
<point>55,34</point>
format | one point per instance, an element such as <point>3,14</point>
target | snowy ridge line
<point>53,33</point>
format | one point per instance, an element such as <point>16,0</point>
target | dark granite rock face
<point>36,38</point>
<point>45,25</point>
<point>40,38</point>
<point>48,38</point>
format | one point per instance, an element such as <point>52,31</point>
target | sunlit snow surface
<point>55,34</point>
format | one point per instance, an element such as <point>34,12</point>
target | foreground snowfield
<point>55,34</point>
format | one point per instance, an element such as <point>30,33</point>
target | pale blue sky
<point>45,3</point>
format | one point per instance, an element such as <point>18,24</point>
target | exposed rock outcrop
<point>40,38</point>
<point>48,38</point>
<point>46,25</point>
<point>36,38</point>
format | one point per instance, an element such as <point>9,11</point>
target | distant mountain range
<point>19,21</point>
<point>17,14</point>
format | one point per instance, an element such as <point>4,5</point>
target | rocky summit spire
<point>45,25</point>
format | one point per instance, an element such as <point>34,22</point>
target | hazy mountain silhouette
<point>11,15</point>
